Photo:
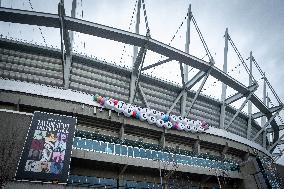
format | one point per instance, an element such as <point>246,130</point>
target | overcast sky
<point>255,25</point>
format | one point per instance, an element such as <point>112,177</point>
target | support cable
<point>146,18</point>
<point>266,80</point>
<point>174,36</point>
<point>279,117</point>
<point>129,27</point>
<point>38,26</point>
<point>202,40</point>
<point>241,59</point>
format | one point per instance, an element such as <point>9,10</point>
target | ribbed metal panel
<point>92,77</point>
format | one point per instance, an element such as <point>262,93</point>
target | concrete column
<point>196,147</point>
<point>224,86</point>
<point>163,140</point>
<point>121,132</point>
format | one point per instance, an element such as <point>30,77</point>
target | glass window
<point>183,159</point>
<point>102,147</point>
<point>81,143</point>
<point>96,145</point>
<point>178,158</point>
<point>143,153</point>
<point>148,154</point>
<point>136,152</point>
<point>117,149</point>
<point>110,148</point>
<point>130,151</point>
<point>124,150</point>
<point>75,142</point>
<point>166,156</point>
<point>89,145</point>
<point>155,155</point>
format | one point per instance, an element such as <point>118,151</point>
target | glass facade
<point>154,155</point>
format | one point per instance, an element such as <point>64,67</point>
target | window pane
<point>142,153</point>
<point>155,155</point>
<point>124,150</point>
<point>110,148</point>
<point>136,152</point>
<point>89,145</point>
<point>117,149</point>
<point>75,142</point>
<point>81,143</point>
<point>130,151</point>
<point>149,154</point>
<point>96,145</point>
<point>102,146</point>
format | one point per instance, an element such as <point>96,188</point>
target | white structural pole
<point>224,86</point>
<point>73,15</point>
<point>135,48</point>
<point>263,119</point>
<point>185,68</point>
<point>249,102</point>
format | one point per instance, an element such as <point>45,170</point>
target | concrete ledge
<point>147,163</point>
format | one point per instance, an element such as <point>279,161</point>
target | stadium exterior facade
<point>112,150</point>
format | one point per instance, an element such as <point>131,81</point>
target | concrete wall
<point>13,130</point>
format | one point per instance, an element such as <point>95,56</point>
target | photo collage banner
<point>47,152</point>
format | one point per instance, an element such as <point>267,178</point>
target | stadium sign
<point>47,152</point>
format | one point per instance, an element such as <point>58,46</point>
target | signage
<point>47,152</point>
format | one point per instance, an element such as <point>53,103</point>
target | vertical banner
<point>47,152</point>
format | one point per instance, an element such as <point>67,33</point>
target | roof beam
<point>266,124</point>
<point>276,143</point>
<point>238,96</point>
<point>136,73</point>
<point>198,91</point>
<point>156,64</point>
<point>66,46</point>
<point>239,110</point>
<point>270,130</point>
<point>272,110</point>
<point>187,86</point>
<point>143,96</point>
<point>86,27</point>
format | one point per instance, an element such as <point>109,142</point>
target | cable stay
<point>241,59</point>
<point>211,59</point>
<point>266,80</point>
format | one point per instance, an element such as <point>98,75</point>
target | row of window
<point>96,182</point>
<point>135,152</point>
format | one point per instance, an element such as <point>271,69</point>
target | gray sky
<point>255,25</point>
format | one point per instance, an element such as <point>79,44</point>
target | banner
<point>47,152</point>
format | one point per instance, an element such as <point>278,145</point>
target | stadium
<point>107,126</point>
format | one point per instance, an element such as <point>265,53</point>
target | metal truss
<point>239,110</point>
<point>272,110</point>
<point>136,71</point>
<point>86,27</point>
<point>279,141</point>
<point>187,87</point>
<point>143,96</point>
<point>270,130</point>
<point>198,91</point>
<point>156,64</point>
<point>238,96</point>
<point>66,46</point>
<point>265,125</point>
